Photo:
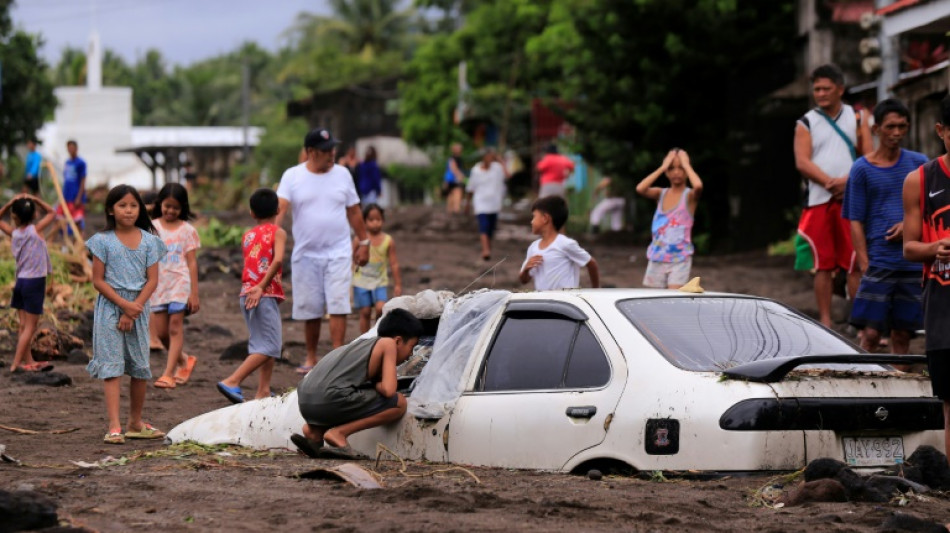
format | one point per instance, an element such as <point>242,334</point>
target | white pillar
<point>94,63</point>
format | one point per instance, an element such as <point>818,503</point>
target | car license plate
<point>873,451</point>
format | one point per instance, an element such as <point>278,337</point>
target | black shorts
<point>33,185</point>
<point>29,294</point>
<point>938,366</point>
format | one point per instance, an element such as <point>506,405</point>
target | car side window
<point>540,351</point>
<point>588,366</point>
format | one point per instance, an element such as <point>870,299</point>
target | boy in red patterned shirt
<point>261,292</point>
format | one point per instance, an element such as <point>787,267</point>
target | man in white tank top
<point>827,141</point>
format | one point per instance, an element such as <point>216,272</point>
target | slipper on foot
<point>165,383</point>
<point>303,369</point>
<point>183,374</point>
<point>306,446</point>
<point>342,452</point>
<point>233,394</point>
<point>148,431</point>
<point>114,438</point>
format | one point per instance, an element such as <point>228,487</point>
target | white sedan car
<point>649,379</point>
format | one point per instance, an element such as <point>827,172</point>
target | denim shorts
<point>487,222</point>
<point>368,297</point>
<point>172,308</point>
<point>888,299</point>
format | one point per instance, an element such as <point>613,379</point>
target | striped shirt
<point>873,197</point>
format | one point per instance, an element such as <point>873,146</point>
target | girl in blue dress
<point>125,272</point>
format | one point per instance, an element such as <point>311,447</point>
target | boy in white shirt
<point>554,261</point>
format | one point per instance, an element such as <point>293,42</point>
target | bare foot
<point>333,438</point>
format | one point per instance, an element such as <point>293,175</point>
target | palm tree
<point>365,27</point>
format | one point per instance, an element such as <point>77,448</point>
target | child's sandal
<point>148,431</point>
<point>165,383</point>
<point>114,438</point>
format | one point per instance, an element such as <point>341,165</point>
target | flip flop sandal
<point>306,446</point>
<point>164,383</point>
<point>344,452</point>
<point>304,369</point>
<point>183,374</point>
<point>233,394</point>
<point>148,431</point>
<point>114,438</point>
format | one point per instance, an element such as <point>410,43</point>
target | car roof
<point>613,295</point>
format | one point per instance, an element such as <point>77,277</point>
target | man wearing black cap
<point>325,206</point>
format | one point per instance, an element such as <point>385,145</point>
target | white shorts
<point>662,275</point>
<point>320,286</point>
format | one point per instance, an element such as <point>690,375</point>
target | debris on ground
<point>351,473</point>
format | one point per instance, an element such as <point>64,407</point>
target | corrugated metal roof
<point>191,136</point>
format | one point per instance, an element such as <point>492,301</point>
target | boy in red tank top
<point>261,292</point>
<point>927,240</point>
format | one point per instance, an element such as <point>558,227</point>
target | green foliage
<point>783,248</point>
<point>216,234</point>
<point>645,76</point>
<point>27,95</point>
<point>416,178</point>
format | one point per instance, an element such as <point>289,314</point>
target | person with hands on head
<point>261,294</point>
<point>125,272</point>
<point>926,234</point>
<point>889,295</point>
<point>32,267</point>
<point>324,205</point>
<point>827,141</point>
<point>671,252</point>
<point>554,261</point>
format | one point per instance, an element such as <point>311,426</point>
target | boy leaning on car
<point>927,240</point>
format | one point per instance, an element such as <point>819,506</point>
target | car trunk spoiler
<point>775,370</point>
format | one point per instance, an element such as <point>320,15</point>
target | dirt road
<point>193,489</point>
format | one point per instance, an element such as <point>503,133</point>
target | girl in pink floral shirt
<point>177,290</point>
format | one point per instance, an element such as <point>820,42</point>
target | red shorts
<point>829,236</point>
<point>78,211</point>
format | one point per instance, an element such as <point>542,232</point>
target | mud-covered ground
<point>151,486</point>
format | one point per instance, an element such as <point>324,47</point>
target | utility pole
<point>246,108</point>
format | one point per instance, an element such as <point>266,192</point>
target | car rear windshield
<point>715,333</point>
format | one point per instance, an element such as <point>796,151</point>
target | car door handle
<point>585,411</point>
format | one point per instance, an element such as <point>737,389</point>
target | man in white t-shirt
<point>486,183</point>
<point>324,205</point>
<point>554,261</point>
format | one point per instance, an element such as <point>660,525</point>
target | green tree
<point>26,93</point>
<point>492,43</point>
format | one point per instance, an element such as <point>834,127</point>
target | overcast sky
<point>183,30</point>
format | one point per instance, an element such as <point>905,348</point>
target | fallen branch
<point>381,448</point>
<point>35,432</point>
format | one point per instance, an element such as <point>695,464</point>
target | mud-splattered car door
<point>545,390</point>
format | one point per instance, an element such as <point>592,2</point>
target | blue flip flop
<point>231,393</point>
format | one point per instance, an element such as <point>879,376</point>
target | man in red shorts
<point>827,141</point>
